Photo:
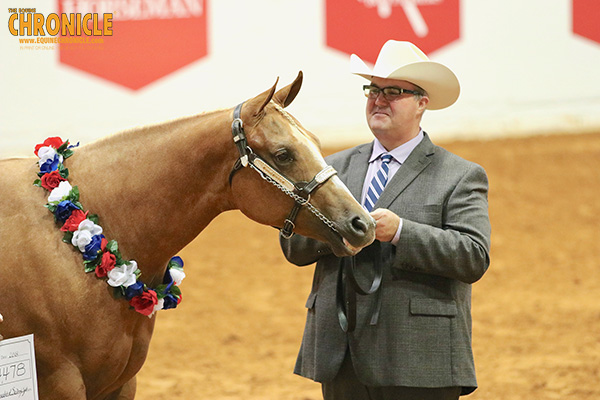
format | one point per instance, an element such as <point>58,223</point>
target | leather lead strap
<point>348,287</point>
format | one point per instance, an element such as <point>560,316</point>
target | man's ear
<point>422,103</point>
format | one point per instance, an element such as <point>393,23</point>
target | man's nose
<point>380,99</point>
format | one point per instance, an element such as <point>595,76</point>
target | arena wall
<point>522,68</point>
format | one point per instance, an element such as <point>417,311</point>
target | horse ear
<point>258,103</point>
<point>287,94</point>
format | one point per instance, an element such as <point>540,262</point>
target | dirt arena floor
<point>536,313</point>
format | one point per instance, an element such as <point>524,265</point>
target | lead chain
<point>297,199</point>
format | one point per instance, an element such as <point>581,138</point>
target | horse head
<point>292,175</point>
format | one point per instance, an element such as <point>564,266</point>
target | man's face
<point>397,121</point>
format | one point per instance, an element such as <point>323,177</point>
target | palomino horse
<point>154,189</point>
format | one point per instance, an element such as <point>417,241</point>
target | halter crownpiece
<point>239,137</point>
<point>300,191</point>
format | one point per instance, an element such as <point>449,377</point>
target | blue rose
<point>64,209</point>
<point>177,260</point>
<point>93,248</point>
<point>167,280</point>
<point>134,290</point>
<point>50,165</point>
<point>170,301</point>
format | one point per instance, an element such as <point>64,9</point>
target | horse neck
<point>155,189</point>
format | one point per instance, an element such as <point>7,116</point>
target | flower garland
<point>100,255</point>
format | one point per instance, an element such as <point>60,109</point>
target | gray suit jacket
<point>423,335</point>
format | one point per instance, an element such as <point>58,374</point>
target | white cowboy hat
<point>405,61</point>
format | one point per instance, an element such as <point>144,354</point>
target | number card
<point>18,377</point>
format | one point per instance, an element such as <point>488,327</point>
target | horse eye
<point>283,156</point>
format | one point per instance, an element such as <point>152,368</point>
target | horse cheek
<point>259,200</point>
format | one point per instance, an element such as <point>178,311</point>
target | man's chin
<point>379,122</point>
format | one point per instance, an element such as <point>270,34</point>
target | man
<point>411,339</point>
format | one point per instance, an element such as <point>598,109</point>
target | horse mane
<point>157,128</point>
<point>160,128</point>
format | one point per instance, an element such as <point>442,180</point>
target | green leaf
<point>51,207</point>
<point>67,237</point>
<point>63,147</point>
<point>90,268</point>
<point>93,218</point>
<point>67,153</point>
<point>160,289</point>
<point>73,194</point>
<point>64,172</point>
<point>37,182</point>
<point>90,265</point>
<point>113,247</point>
<point>175,290</point>
<point>118,292</point>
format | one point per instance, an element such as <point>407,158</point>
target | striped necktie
<point>378,182</point>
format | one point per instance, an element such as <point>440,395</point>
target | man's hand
<point>387,224</point>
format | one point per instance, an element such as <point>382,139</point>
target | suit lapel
<point>354,176</point>
<point>418,160</point>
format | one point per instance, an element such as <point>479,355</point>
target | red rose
<point>55,142</point>
<point>72,223</point>
<point>51,180</point>
<point>144,303</point>
<point>108,262</point>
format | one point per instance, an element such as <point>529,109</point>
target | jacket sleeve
<point>460,248</point>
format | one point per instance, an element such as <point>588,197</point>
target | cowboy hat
<point>405,61</point>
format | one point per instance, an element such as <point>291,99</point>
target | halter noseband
<point>300,191</point>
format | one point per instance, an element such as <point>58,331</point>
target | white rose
<point>83,235</point>
<point>47,153</point>
<point>60,191</point>
<point>88,225</point>
<point>177,275</point>
<point>157,307</point>
<point>123,275</point>
<point>81,239</point>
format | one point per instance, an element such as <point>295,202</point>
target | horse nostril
<point>359,225</point>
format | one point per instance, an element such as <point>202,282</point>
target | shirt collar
<point>400,153</point>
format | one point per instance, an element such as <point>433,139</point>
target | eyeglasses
<point>390,93</point>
